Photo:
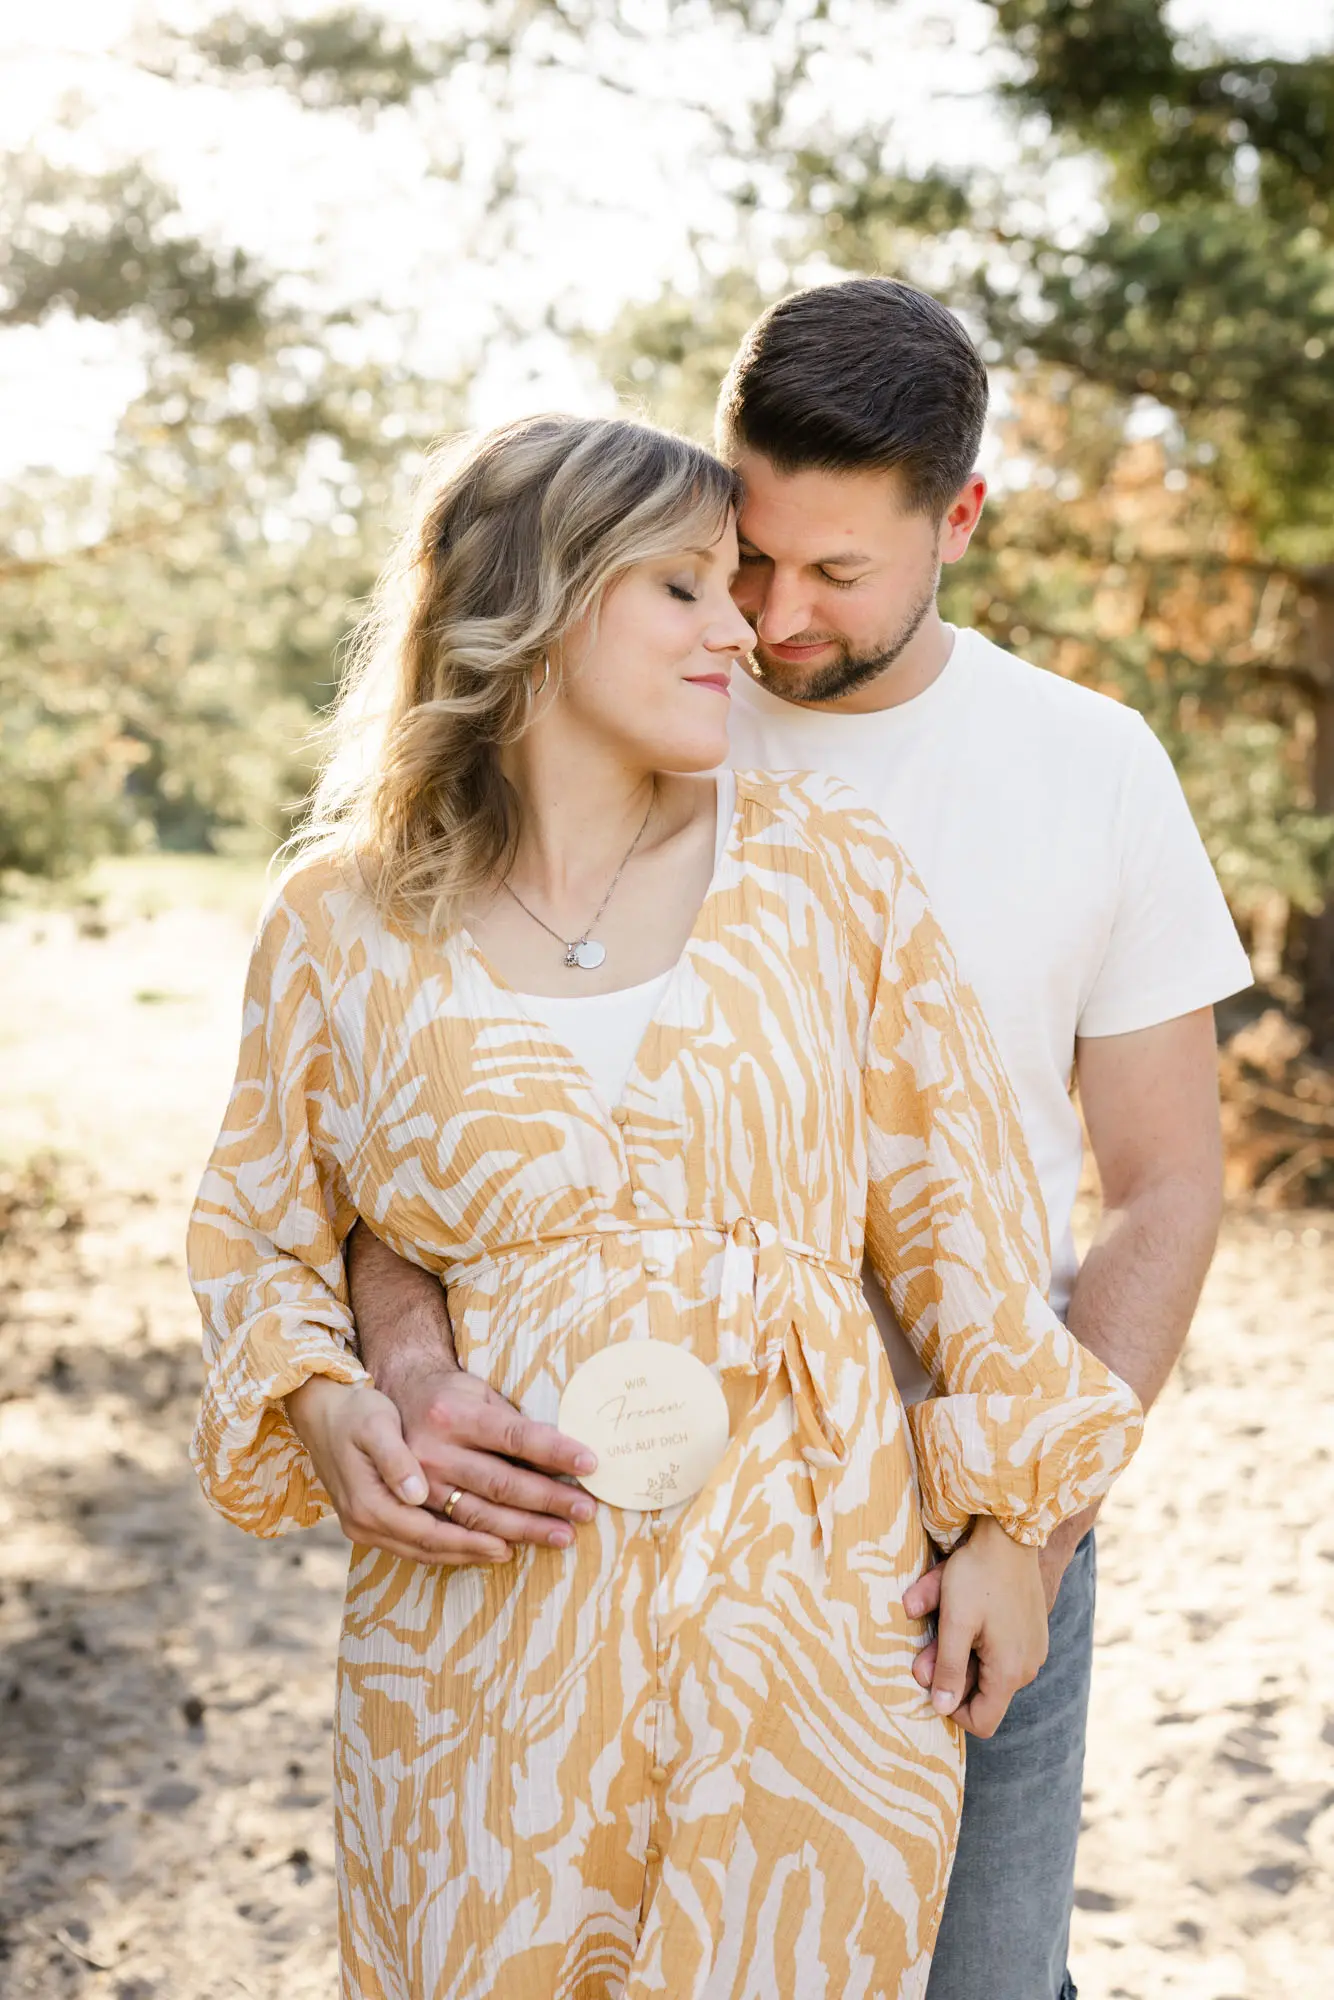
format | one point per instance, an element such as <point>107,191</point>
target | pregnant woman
<point>635,1060</point>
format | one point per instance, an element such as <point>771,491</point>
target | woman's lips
<point>720,683</point>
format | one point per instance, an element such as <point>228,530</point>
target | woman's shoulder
<point>846,849</point>
<point>314,897</point>
<point>301,883</point>
<point>829,818</point>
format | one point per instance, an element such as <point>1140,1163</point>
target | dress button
<point>655,1267</point>
<point>642,1199</point>
<point>652,1852</point>
<point>659,1774</point>
<point>743,1233</point>
<point>620,1116</point>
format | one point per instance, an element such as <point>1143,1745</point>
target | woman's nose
<point>733,634</point>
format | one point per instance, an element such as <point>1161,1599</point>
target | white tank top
<point>604,1030</point>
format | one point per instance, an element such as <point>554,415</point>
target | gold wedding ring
<point>448,1509</point>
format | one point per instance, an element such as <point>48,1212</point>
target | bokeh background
<point>251,262</point>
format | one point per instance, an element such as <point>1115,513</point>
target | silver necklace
<point>584,952</point>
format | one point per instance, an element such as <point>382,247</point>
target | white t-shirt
<point>1061,860</point>
<point>603,1030</point>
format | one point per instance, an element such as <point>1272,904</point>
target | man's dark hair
<point>869,375</point>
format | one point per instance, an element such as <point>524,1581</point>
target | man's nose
<point>784,609</point>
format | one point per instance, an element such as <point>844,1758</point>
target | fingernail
<point>943,1701</point>
<point>583,1510</point>
<point>585,1462</point>
<point>500,1555</point>
<point>561,1538</point>
<point>413,1490</point>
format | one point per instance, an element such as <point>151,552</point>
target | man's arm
<point>1150,1102</point>
<point>463,1435</point>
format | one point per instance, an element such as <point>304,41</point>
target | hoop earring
<point>535,693</point>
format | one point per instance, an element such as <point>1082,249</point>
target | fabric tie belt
<point>760,1326</point>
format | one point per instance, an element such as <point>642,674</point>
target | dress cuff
<point>252,1465</point>
<point>1029,1464</point>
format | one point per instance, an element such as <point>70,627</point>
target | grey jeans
<point>1006,1928</point>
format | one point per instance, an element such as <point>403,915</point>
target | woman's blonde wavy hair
<point>517,535</point>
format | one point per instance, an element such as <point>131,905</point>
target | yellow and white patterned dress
<point>685,1757</point>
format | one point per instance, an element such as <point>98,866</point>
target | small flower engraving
<point>661,1484</point>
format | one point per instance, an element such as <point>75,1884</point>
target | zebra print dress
<point>685,1757</point>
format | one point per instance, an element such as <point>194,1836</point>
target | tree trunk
<point>1319,954</point>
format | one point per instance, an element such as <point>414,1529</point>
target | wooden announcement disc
<point>655,1416</point>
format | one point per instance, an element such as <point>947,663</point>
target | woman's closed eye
<point>682,595</point>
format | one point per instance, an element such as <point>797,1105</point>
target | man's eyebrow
<point>845,559</point>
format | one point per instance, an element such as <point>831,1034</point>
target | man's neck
<point>920,664</point>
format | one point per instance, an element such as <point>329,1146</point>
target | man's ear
<point>961,518</point>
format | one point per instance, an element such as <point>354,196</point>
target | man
<point>1061,858</point>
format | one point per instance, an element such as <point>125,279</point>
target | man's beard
<point>855,670</point>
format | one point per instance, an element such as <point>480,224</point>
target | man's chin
<point>792,677</point>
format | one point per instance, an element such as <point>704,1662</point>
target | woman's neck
<point>580,807</point>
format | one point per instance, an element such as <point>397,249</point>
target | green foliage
<point>1175,127</point>
<point>168,634</point>
<point>112,247</point>
<point>669,358</point>
<point>1211,286</point>
<point>346,58</point>
<point>157,687</point>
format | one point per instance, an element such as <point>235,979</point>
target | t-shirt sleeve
<point>1173,946</point>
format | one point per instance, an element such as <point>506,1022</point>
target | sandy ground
<point>165,1684</point>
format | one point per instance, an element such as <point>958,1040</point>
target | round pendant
<point>655,1416</point>
<point>588,954</point>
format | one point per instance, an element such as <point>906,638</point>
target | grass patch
<point>144,885</point>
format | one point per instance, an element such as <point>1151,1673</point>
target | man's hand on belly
<point>356,1445</point>
<point>469,1442</point>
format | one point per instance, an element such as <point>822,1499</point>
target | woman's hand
<point>355,1438</point>
<point>991,1635</point>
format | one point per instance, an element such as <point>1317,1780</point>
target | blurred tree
<point>167,629</point>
